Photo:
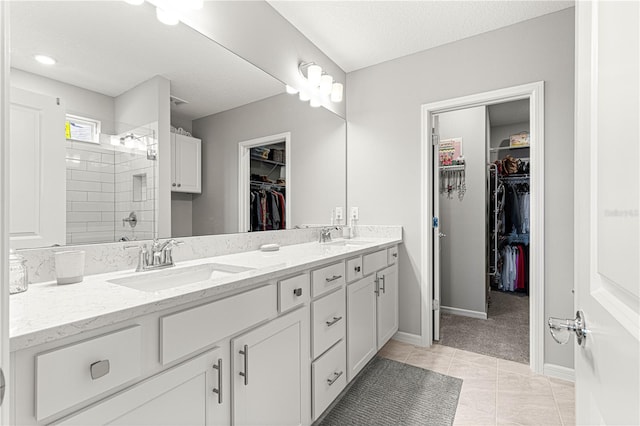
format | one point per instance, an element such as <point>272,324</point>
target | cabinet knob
<point>358,268</point>
<point>99,369</point>
<point>297,292</point>
<point>179,185</point>
<point>395,255</point>
<point>173,184</point>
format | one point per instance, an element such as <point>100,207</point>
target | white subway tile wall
<point>100,194</point>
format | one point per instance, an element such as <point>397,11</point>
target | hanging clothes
<point>267,209</point>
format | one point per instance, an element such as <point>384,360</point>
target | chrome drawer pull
<point>335,320</point>
<point>357,268</point>
<point>99,369</point>
<point>395,255</point>
<point>245,373</point>
<point>336,376</point>
<point>297,291</point>
<point>218,367</point>
<point>377,288</point>
<point>383,284</point>
<point>335,277</point>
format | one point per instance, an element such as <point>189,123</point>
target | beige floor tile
<point>466,370</point>
<point>475,358</point>
<point>476,408</point>
<point>396,351</point>
<point>518,384</point>
<point>439,349</point>
<point>527,409</point>
<point>514,367</point>
<point>479,386</point>
<point>562,389</point>
<point>567,409</point>
<point>430,361</point>
<point>470,417</point>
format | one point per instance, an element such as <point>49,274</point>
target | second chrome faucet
<point>159,256</point>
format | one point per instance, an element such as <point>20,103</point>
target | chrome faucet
<point>325,233</point>
<point>158,257</point>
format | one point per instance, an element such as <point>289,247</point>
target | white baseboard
<point>559,372</point>
<point>412,339</point>
<point>463,312</point>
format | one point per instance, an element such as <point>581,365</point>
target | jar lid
<point>15,257</point>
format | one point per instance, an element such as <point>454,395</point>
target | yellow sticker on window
<point>67,130</point>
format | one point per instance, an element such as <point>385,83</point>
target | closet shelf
<point>264,160</point>
<point>453,168</point>
<point>267,184</point>
<point>505,148</point>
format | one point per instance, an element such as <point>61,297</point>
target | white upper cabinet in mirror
<point>116,69</point>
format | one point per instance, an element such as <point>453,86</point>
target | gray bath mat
<point>387,392</point>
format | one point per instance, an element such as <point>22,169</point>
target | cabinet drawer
<point>293,292</point>
<point>185,332</point>
<point>354,269</point>
<point>328,321</point>
<point>327,278</point>
<point>374,261</point>
<point>328,378</point>
<point>75,373</point>
<point>392,255</point>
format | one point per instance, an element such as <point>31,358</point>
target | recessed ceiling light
<point>44,59</point>
<point>134,2</point>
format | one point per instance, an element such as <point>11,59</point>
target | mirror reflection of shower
<point>112,185</point>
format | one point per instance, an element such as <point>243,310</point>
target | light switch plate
<point>339,213</point>
<point>355,213</point>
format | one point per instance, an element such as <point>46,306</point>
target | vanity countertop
<point>47,311</point>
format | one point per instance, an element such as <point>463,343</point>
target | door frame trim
<point>535,93</point>
<point>244,167</point>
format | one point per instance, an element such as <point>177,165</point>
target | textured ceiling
<point>358,34</point>
<point>110,46</point>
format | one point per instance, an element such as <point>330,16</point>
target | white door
<point>269,373</point>
<point>37,173</point>
<point>435,199</point>
<point>361,324</point>
<point>607,232</point>
<point>4,219</point>
<point>387,304</point>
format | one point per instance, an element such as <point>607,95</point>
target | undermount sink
<point>177,277</point>
<point>347,243</point>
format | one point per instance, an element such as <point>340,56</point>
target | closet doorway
<point>264,183</point>
<point>482,216</point>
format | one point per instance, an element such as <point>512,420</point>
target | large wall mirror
<point>89,134</point>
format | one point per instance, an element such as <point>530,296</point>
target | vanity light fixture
<point>44,59</point>
<point>319,85</point>
<point>291,90</point>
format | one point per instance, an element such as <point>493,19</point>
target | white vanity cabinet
<point>271,372</point>
<point>186,164</point>
<point>191,393</point>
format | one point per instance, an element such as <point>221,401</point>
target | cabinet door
<point>361,324</point>
<point>188,164</point>
<point>188,394</point>
<point>271,383</point>
<point>387,304</point>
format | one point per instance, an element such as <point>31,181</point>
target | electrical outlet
<point>338,213</point>
<point>355,213</point>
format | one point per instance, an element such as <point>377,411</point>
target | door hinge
<point>435,139</point>
<point>436,222</point>
<point>435,304</point>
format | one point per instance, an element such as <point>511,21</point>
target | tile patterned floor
<point>494,391</point>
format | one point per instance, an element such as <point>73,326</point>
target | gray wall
<point>463,250</point>
<point>317,165</point>
<point>385,134</point>
<point>500,133</point>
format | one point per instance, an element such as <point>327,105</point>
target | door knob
<point>561,328</point>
